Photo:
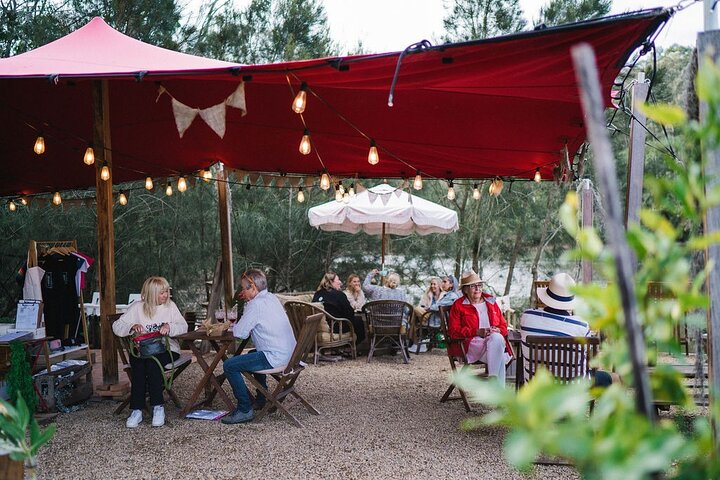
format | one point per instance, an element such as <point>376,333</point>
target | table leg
<point>216,381</point>
<point>203,381</point>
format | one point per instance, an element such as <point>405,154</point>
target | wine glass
<point>232,315</point>
<point>220,315</point>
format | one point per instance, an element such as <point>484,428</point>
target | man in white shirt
<point>265,320</point>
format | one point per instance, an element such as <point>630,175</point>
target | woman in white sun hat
<point>476,317</point>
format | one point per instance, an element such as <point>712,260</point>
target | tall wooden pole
<point>105,231</point>
<point>593,107</point>
<point>636,152</point>
<point>224,212</point>
<point>709,45</point>
<point>586,200</point>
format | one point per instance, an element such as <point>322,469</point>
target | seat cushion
<point>326,336</point>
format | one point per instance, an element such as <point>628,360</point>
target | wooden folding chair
<point>456,361</point>
<point>332,332</point>
<point>388,321</point>
<point>287,375</point>
<point>122,347</point>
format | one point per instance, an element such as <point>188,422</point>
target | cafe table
<point>210,382</point>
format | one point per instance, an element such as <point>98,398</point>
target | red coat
<point>464,322</point>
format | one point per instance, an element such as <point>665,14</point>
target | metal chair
<point>388,321</point>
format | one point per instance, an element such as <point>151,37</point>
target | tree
<point>558,12</point>
<point>27,24</point>
<point>477,19</point>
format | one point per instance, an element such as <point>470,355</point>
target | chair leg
<point>372,348</point>
<point>317,353</point>
<point>403,349</point>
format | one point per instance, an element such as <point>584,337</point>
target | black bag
<point>150,344</point>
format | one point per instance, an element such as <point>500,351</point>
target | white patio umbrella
<point>384,210</point>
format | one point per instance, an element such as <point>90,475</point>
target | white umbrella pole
<point>382,250</point>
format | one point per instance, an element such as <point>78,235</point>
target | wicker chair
<point>388,321</point>
<point>332,333</point>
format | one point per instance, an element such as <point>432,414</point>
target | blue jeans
<point>234,368</point>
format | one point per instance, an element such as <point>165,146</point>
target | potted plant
<point>21,436</point>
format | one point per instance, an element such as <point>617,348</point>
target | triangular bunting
<point>237,99</point>
<point>184,116</point>
<point>215,118</point>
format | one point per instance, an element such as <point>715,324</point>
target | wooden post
<point>586,200</point>
<point>709,45</point>
<point>105,232</point>
<point>636,153</point>
<point>224,211</point>
<point>586,72</point>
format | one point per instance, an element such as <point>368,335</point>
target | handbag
<point>149,344</point>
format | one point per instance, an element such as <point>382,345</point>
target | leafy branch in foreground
<point>614,440</point>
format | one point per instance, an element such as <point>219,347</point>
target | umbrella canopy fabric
<point>503,106</point>
<point>400,212</point>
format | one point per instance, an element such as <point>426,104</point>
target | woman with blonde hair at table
<point>389,291</point>
<point>154,312</point>
<point>354,292</point>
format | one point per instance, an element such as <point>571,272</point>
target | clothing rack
<point>39,248</point>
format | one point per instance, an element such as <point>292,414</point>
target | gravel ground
<point>378,420</point>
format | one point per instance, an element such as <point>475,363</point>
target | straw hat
<point>469,278</point>
<point>557,294</point>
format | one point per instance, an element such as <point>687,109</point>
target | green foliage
<point>557,12</point>
<point>15,421</point>
<point>477,19</point>
<point>28,24</point>
<point>19,379</point>
<point>615,441</point>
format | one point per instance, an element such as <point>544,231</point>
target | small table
<point>211,383</point>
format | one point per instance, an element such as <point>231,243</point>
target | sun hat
<point>470,278</point>
<point>557,294</point>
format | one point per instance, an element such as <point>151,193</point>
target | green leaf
<point>521,449</point>
<point>663,113</point>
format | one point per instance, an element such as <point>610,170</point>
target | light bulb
<point>451,192</point>
<point>148,183</point>
<point>417,184</point>
<point>122,198</point>
<point>300,100</point>
<point>476,192</point>
<point>89,157</point>
<point>351,190</point>
<point>12,206</point>
<point>182,184</point>
<point>57,199</point>
<point>207,175</point>
<point>24,200</point>
<point>342,188</point>
<point>325,181</point>
<point>105,173</point>
<point>305,145</point>
<point>373,157</point>
<point>496,187</point>
<point>168,189</point>
<point>300,196</point>
<point>346,198</point>
<point>338,194</point>
<point>39,145</point>
<point>538,177</point>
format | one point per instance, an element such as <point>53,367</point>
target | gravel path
<point>378,420</point>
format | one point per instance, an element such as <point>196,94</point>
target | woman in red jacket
<point>477,318</point>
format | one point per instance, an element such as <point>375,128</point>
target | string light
<point>476,192</point>
<point>105,173</point>
<point>305,145</point>
<point>182,184</point>
<point>373,157</point>
<point>89,157</point>
<point>11,206</point>
<point>346,197</point>
<point>325,181</point>
<point>351,191</point>
<point>39,147</point>
<point>57,199</point>
<point>168,189</point>
<point>451,191</point>
<point>496,187</point>
<point>338,194</point>
<point>24,200</point>
<point>300,195</point>
<point>298,105</point>
<point>342,188</point>
<point>417,184</point>
<point>122,198</point>
<point>149,183</point>
<point>207,175</point>
<point>538,177</point>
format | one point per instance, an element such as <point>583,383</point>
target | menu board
<point>29,315</point>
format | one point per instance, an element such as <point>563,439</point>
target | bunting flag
<point>214,116</point>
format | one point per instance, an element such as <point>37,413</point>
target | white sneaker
<point>413,348</point>
<point>423,347</point>
<point>158,416</point>
<point>134,419</point>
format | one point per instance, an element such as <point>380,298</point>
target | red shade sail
<point>497,107</point>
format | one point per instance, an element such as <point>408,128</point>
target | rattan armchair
<point>332,333</point>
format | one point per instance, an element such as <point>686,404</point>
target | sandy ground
<point>378,420</point>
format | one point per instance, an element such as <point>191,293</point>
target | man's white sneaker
<point>158,416</point>
<point>134,419</point>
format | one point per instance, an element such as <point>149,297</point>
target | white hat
<point>470,278</point>
<point>557,294</point>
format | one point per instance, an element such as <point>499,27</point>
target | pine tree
<point>477,19</point>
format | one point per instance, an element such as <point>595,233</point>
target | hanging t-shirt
<point>482,314</point>
<point>59,294</point>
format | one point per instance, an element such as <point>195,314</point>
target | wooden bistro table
<point>210,383</point>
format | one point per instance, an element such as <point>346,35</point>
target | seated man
<point>266,321</point>
<point>555,319</point>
